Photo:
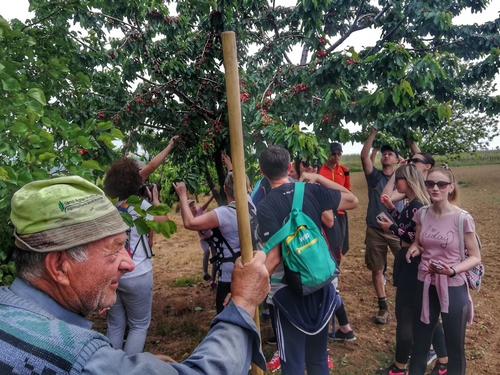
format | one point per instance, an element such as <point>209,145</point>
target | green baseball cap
<point>61,213</point>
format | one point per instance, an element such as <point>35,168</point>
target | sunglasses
<point>418,160</point>
<point>305,163</point>
<point>440,184</point>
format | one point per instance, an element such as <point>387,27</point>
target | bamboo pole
<point>237,154</point>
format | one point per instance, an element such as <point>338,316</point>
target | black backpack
<point>217,239</point>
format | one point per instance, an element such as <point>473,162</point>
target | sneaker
<point>330,363</point>
<point>392,370</point>
<point>382,317</point>
<point>439,369</point>
<point>431,356</point>
<point>213,285</point>
<point>340,336</point>
<point>207,277</point>
<point>274,364</point>
<point>272,340</point>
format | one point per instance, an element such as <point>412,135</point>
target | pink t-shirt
<point>440,240</point>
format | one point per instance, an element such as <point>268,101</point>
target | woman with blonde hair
<point>442,285</point>
<point>409,181</point>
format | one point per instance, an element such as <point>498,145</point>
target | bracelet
<point>454,272</point>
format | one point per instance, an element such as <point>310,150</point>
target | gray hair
<point>31,264</point>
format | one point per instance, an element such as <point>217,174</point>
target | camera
<point>143,192</point>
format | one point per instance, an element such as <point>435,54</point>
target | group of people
<point>75,255</point>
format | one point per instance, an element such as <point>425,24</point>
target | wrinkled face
<point>94,281</point>
<point>439,186</point>
<point>420,163</point>
<point>388,159</point>
<point>293,173</point>
<point>305,166</point>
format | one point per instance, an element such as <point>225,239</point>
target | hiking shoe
<point>392,370</point>
<point>340,336</point>
<point>274,364</point>
<point>439,369</point>
<point>431,356</point>
<point>207,277</point>
<point>330,363</point>
<point>272,340</point>
<point>382,317</point>
<point>213,285</point>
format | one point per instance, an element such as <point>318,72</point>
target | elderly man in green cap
<point>70,256</point>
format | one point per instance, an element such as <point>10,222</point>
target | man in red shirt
<point>339,174</point>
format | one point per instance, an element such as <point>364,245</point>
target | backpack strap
<point>298,196</point>
<point>461,239</point>
<point>422,213</point>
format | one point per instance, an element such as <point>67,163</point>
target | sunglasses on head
<point>399,178</point>
<point>440,184</point>
<point>418,160</point>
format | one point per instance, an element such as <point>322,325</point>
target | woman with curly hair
<point>135,290</point>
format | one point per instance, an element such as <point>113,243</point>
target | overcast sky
<point>19,9</point>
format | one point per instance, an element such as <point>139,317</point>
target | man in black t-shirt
<point>301,320</point>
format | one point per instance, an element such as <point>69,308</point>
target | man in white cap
<point>69,257</point>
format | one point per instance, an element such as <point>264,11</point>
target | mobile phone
<point>380,216</point>
<point>437,265</point>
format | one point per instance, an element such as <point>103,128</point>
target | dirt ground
<point>182,314</point>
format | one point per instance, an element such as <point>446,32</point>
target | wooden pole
<point>237,154</point>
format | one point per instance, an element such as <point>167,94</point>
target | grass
<point>190,281</point>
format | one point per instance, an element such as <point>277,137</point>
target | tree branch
<point>355,27</point>
<point>82,43</point>
<point>44,18</point>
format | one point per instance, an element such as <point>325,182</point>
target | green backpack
<point>308,263</point>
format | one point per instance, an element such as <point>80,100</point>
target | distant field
<point>353,161</point>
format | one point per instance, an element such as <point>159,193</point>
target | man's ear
<point>57,266</point>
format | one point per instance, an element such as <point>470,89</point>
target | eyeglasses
<point>429,184</point>
<point>418,160</point>
<point>399,178</point>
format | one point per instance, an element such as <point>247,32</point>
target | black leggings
<point>405,278</point>
<point>223,289</point>
<point>454,323</point>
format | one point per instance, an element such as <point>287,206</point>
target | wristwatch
<point>454,272</point>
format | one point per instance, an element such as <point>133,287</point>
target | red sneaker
<point>330,363</point>
<point>275,363</point>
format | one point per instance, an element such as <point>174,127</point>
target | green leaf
<point>141,226</point>
<point>127,218</point>
<point>38,95</point>
<point>105,125</point>
<point>91,164</point>
<point>84,142</point>
<point>19,128</point>
<point>10,84</point>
